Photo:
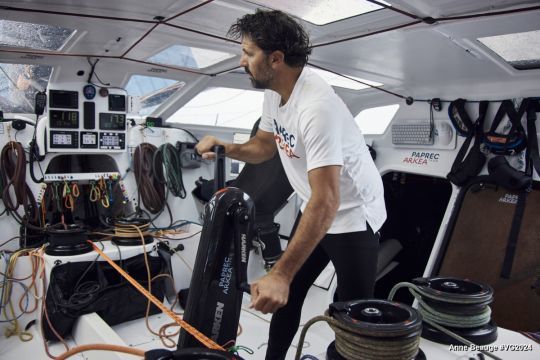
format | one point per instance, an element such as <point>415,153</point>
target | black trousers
<point>354,256</point>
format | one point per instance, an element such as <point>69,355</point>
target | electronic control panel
<point>83,118</point>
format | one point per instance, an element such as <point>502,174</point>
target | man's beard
<point>259,83</point>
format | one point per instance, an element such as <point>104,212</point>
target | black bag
<point>79,288</point>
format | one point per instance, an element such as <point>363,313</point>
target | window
<point>320,12</point>
<point>521,50</point>
<point>33,36</point>
<point>19,84</point>
<point>152,91</point>
<point>189,57</point>
<point>222,107</point>
<point>340,81</point>
<point>374,121</point>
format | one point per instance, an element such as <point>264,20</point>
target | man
<point>327,163</point>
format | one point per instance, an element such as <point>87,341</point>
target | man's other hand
<point>269,293</point>
<point>205,146</point>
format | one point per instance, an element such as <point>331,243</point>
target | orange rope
<point>209,343</point>
<point>105,347</point>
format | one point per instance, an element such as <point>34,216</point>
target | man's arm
<point>272,291</point>
<point>258,149</point>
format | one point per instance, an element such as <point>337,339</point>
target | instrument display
<point>89,140</point>
<point>81,121</point>
<point>63,99</point>
<point>112,141</point>
<point>112,121</point>
<point>64,119</point>
<point>117,102</point>
<point>61,139</point>
<point>64,139</point>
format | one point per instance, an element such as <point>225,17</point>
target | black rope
<point>494,13</point>
<point>358,81</point>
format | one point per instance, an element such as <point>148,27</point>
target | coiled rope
<point>170,161</point>
<point>354,343</point>
<point>13,174</point>
<point>151,191</point>
<point>439,319</point>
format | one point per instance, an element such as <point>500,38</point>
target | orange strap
<point>209,343</point>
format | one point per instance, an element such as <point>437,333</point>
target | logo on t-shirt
<point>285,141</point>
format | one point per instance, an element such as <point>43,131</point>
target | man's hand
<point>206,145</point>
<point>270,293</point>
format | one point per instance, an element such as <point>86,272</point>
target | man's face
<point>256,63</point>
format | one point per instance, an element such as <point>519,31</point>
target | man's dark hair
<point>274,30</point>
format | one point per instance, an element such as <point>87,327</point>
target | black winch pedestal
<point>220,272</point>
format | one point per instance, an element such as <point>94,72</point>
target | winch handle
<point>219,168</point>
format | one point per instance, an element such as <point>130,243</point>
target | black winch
<point>67,241</point>
<point>131,232</point>
<point>461,306</point>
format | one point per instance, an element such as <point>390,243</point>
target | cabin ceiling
<point>414,58</point>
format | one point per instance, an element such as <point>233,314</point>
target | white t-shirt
<point>315,129</point>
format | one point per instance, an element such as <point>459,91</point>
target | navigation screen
<point>111,121</point>
<point>64,119</point>
<point>64,99</point>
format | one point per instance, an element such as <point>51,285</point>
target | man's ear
<point>277,57</point>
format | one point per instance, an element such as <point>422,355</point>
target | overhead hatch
<point>521,50</point>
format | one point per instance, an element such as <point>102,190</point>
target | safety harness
<point>500,171</point>
<point>505,175</point>
<point>465,168</point>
